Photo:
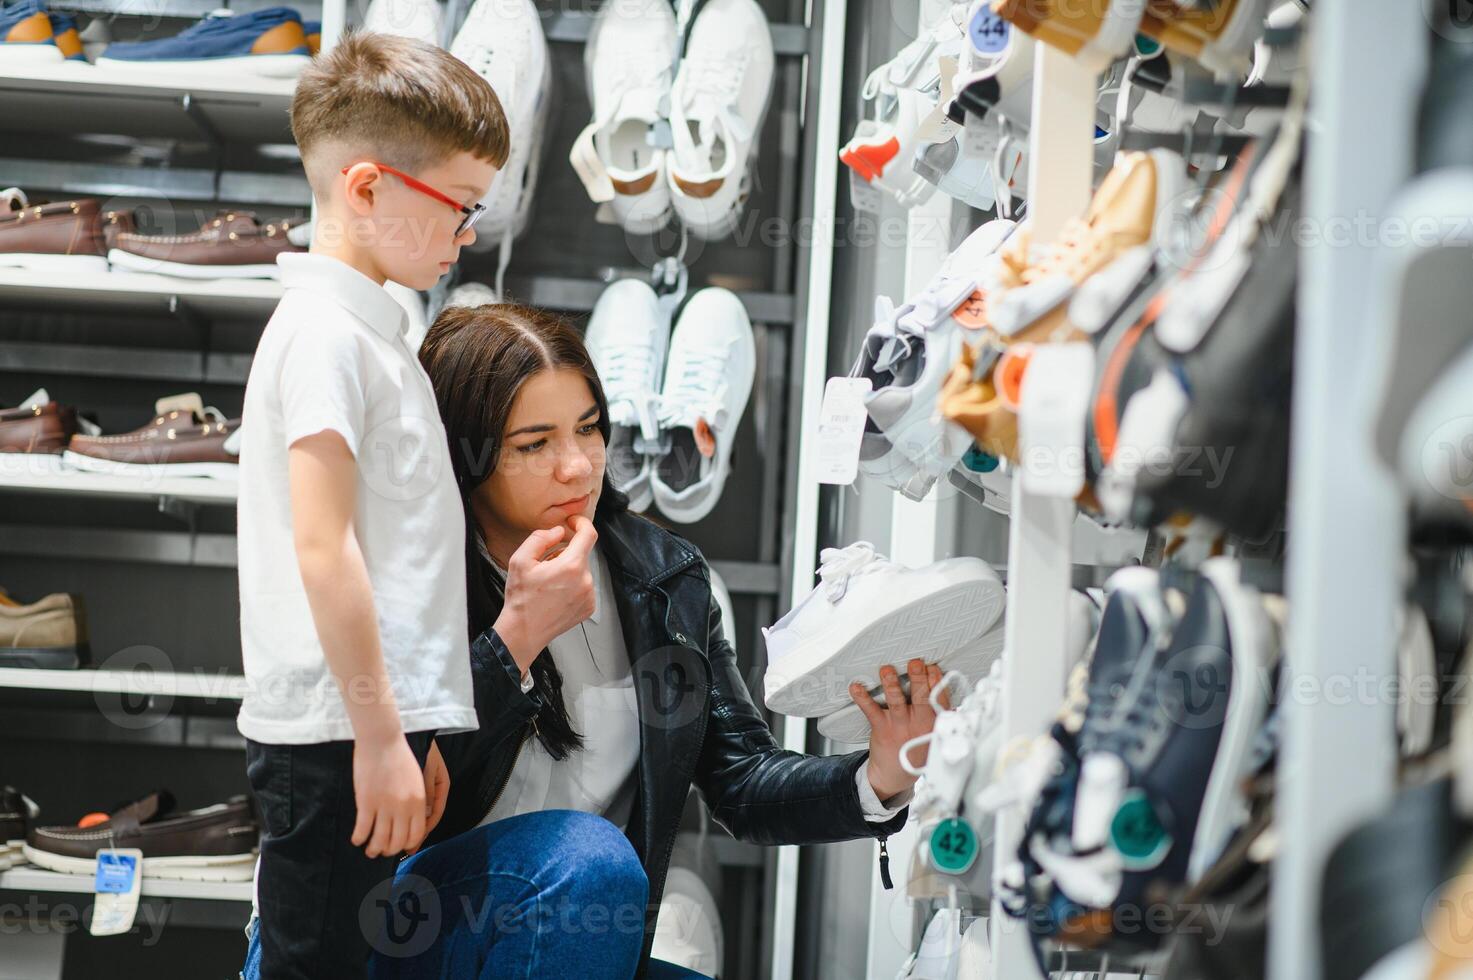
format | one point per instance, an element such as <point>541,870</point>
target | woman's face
<point>551,466</point>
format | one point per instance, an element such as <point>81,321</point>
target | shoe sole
<point>31,464</point>
<point>938,627</point>
<point>20,53</point>
<point>42,658</point>
<point>849,725</point>
<point>92,464</point>
<point>182,270</point>
<point>266,66</point>
<point>11,854</point>
<point>229,867</point>
<point>1250,632</point>
<point>60,264</point>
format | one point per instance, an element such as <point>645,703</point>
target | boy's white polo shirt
<point>333,357</point>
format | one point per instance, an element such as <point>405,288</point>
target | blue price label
<point>989,32</point>
<point>115,873</point>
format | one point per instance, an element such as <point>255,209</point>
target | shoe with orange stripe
<point>27,35</point>
<point>267,42</point>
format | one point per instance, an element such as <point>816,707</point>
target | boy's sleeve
<point>322,387</point>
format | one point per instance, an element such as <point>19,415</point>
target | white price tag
<point>117,884</point>
<point>1051,418</point>
<point>841,429</point>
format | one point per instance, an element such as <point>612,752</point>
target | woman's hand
<point>546,596</point>
<point>896,722</point>
<point>437,791</point>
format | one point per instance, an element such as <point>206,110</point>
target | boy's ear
<point>360,184</point>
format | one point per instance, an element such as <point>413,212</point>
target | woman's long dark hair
<point>478,358</point>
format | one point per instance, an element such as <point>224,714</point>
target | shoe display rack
<point>155,559</point>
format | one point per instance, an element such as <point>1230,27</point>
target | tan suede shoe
<point>49,633</point>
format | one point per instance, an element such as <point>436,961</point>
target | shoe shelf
<point>578,296</point>
<point>206,686</point>
<point>27,879</point>
<point>184,489</point>
<point>137,292</point>
<point>573,25</point>
<point>218,107</point>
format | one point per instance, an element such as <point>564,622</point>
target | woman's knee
<point>595,856</point>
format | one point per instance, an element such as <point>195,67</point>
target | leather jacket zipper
<point>885,865</point>
<point>526,734</point>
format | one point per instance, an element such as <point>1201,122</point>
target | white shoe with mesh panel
<point>419,19</point>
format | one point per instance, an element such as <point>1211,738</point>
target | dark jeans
<point>551,895</point>
<point>313,883</point>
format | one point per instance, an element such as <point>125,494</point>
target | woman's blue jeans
<point>552,894</point>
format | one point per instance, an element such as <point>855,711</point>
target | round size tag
<point>1138,834</point>
<point>971,312</point>
<point>1147,47</point>
<point>953,846</point>
<point>989,32</point>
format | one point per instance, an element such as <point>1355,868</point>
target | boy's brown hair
<point>410,104</point>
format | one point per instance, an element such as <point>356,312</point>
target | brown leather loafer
<point>64,236</point>
<point>215,843</point>
<point>50,633</point>
<point>184,439</point>
<point>40,429</point>
<point>234,245</point>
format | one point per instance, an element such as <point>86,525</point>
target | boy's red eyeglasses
<point>470,215</point>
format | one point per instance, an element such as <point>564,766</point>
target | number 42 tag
<point>117,885</point>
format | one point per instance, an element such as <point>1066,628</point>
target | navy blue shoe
<point>268,42</point>
<point>27,35</point>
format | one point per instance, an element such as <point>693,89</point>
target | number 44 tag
<point>117,885</point>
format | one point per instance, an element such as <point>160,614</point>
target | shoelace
<point>13,196</point>
<point>699,386</point>
<point>836,566</point>
<point>625,371</point>
<point>711,88</point>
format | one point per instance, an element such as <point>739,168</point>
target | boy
<point>351,531</point>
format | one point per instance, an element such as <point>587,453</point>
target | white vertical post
<point>334,21</point>
<point>920,533</point>
<point>1346,529</point>
<point>824,113</point>
<point>1040,531</point>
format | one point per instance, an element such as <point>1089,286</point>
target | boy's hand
<point>546,596</point>
<point>389,789</point>
<point>437,790</point>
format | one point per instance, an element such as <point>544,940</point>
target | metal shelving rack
<point>229,115</point>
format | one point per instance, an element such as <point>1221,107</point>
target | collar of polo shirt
<point>351,289</point>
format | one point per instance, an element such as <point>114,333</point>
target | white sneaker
<point>717,106</point>
<point>628,62</point>
<point>941,945</point>
<point>503,41</point>
<point>929,337</point>
<point>708,379</point>
<point>472,294</point>
<point>849,725</point>
<point>628,337</point>
<point>418,19</point>
<point>868,611</point>
<point>688,931</point>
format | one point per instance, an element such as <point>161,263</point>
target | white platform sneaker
<point>628,337</point>
<point>708,379</point>
<point>717,106</point>
<point>629,62</point>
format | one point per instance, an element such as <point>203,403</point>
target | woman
<point>604,689</point>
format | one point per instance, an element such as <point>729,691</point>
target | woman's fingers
<point>920,684</point>
<point>867,704</point>
<point>890,681</point>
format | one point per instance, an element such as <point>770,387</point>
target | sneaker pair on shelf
<point>676,120</point>
<point>868,611</point>
<point>676,398</point>
<point>272,43</point>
